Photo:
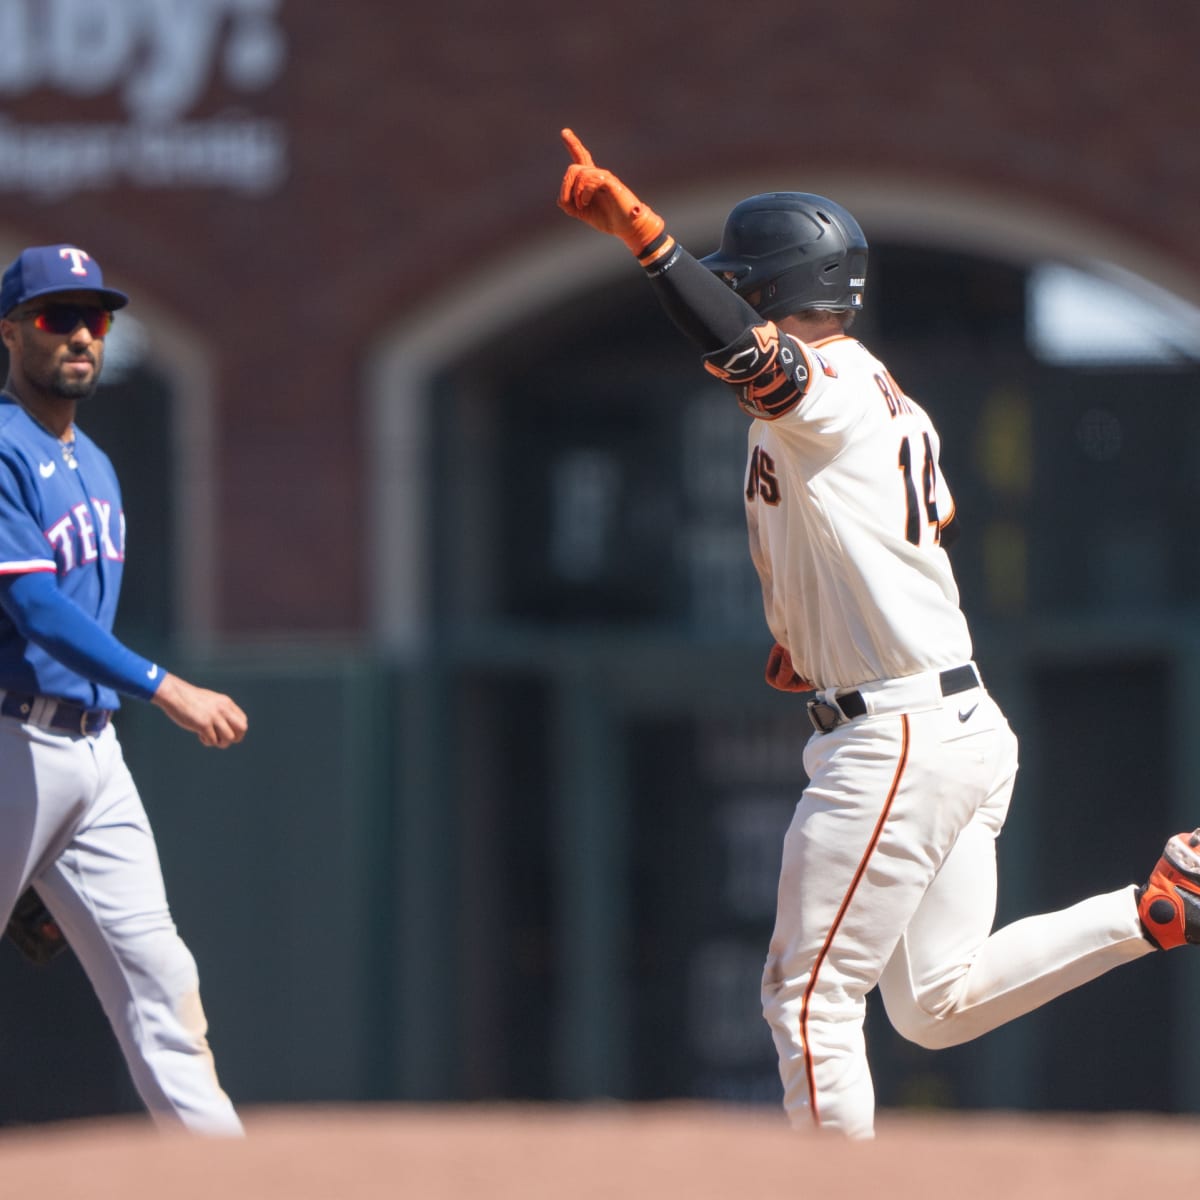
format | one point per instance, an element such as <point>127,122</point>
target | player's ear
<point>8,332</point>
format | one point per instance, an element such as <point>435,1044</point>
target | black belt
<point>826,717</point>
<point>58,714</point>
<point>955,680</point>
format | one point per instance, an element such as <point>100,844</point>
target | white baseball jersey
<point>888,873</point>
<point>845,504</point>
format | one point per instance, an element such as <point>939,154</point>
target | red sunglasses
<point>66,318</point>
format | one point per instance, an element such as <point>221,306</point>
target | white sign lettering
<point>159,57</point>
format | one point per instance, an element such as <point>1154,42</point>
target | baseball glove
<point>34,930</point>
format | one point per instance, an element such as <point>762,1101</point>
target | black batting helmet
<point>788,251</point>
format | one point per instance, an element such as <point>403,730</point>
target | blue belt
<point>55,714</point>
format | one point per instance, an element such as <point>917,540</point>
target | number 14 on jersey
<point>917,465</point>
<point>924,504</point>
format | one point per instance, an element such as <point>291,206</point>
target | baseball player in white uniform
<point>73,831</point>
<point>888,875</point>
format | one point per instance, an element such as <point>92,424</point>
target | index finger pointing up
<point>579,152</point>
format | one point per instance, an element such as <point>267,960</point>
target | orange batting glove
<point>782,675</point>
<point>601,200</point>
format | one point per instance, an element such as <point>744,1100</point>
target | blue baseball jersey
<point>63,517</point>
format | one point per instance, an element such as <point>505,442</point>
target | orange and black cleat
<point>1169,903</point>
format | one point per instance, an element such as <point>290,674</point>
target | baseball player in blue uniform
<point>72,826</point>
<point>888,873</point>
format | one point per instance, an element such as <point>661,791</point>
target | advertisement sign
<point>155,64</point>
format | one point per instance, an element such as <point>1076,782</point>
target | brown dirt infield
<point>619,1152</point>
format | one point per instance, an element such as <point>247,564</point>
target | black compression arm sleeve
<point>711,314</point>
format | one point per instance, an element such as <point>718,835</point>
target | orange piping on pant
<point>858,874</point>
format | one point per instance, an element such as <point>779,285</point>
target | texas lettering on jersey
<point>64,500</point>
<point>60,513</point>
<point>85,533</point>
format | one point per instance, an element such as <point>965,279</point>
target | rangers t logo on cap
<point>78,258</point>
<point>43,270</point>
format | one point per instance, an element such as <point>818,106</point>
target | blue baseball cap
<point>43,270</point>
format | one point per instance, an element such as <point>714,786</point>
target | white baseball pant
<point>889,877</point>
<point>74,827</point>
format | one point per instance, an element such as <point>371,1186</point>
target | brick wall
<point>423,142</point>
